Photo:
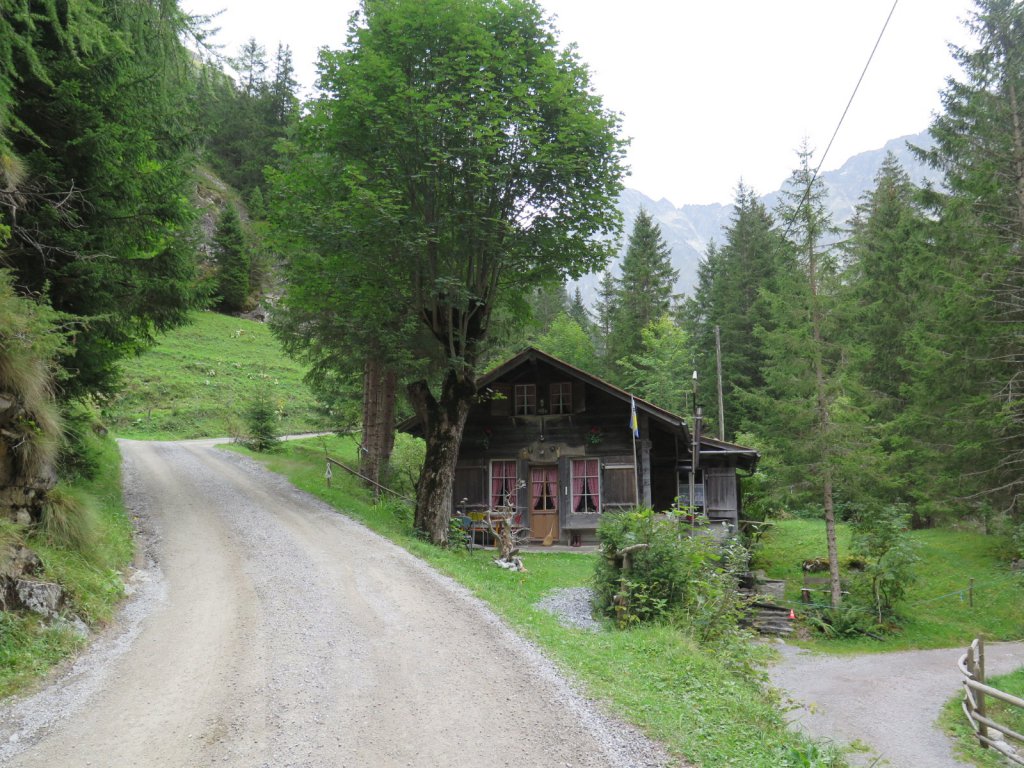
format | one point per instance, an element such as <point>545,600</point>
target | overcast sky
<point>709,91</point>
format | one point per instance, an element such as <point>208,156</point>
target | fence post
<point>980,677</point>
<point>970,593</point>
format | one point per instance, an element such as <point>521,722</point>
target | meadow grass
<point>199,380</point>
<point>29,647</point>
<point>936,612</point>
<point>708,704</point>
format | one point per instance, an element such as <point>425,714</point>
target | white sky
<point>710,91</point>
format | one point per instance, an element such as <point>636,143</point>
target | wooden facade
<point>554,442</point>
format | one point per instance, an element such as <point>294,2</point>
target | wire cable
<point>842,118</point>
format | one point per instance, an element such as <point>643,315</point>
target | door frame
<point>537,516</point>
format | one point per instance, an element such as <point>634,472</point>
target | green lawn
<point>198,381</point>
<point>708,704</point>
<point>936,613</point>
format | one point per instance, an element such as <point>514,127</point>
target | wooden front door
<point>544,503</point>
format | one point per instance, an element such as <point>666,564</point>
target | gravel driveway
<point>888,701</point>
<point>267,630</point>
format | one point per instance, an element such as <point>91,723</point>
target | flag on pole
<point>634,425</point>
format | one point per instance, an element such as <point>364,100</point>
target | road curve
<point>270,631</point>
<point>886,701</point>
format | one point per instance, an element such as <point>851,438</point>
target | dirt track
<point>271,631</point>
<point>887,701</point>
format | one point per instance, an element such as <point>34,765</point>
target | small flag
<point>634,425</point>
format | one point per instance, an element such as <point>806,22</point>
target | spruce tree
<point>105,139</point>
<point>579,313</point>
<point>731,281</point>
<point>607,302</point>
<point>890,290</point>
<point>970,359</point>
<point>807,417</point>
<point>232,258</point>
<point>645,288</point>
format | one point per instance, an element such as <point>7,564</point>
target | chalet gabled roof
<point>531,354</point>
<point>671,421</point>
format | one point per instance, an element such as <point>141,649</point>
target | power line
<point>871,56</point>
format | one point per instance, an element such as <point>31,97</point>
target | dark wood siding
<point>720,492</point>
<point>471,485</point>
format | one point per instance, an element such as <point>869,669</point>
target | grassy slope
<point>689,698</point>
<point>198,380</point>
<point>936,613</point>
<point>28,648</point>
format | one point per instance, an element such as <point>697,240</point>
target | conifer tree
<point>731,281</point>
<point>232,256</point>
<point>970,359</point>
<point>645,288</point>
<point>889,288</point>
<point>579,313</point>
<point>103,133</point>
<point>807,417</point>
<point>607,301</point>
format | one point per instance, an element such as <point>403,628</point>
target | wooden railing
<point>972,665</point>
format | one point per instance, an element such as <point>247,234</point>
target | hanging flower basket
<point>595,436</point>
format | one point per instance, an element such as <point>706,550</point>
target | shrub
<point>405,464</point>
<point>847,620</point>
<point>880,537</point>
<point>688,579</point>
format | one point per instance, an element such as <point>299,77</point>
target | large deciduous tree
<point>497,165</point>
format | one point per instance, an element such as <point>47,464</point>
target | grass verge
<point>954,722</point>
<point>29,647</point>
<point>937,612</point>
<point>199,380</point>
<point>708,705</point>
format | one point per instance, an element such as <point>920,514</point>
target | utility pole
<point>693,451</point>
<point>721,401</point>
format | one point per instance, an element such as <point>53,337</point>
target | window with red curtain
<point>503,484</point>
<point>586,486</point>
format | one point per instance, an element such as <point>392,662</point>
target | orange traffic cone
<point>791,614</point>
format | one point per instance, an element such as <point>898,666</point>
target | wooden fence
<point>972,665</point>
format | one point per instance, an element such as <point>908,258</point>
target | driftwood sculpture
<point>508,536</point>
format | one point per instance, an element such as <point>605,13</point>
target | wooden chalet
<point>555,442</point>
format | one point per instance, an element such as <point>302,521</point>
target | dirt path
<point>271,631</point>
<point>888,701</point>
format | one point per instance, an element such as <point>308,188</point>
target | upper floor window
<point>561,397</point>
<point>526,399</point>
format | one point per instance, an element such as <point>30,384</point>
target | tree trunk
<point>380,383</point>
<point>443,421</point>
<point>824,426</point>
<point>833,551</point>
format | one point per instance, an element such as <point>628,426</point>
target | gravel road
<point>888,701</point>
<point>264,629</point>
